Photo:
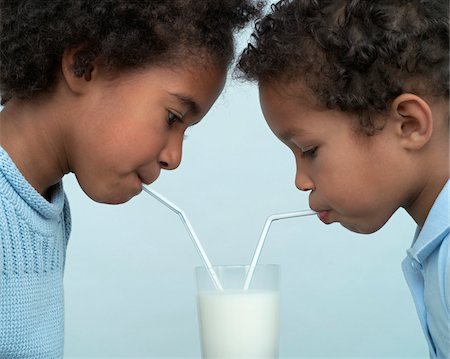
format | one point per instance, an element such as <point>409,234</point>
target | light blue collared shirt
<point>427,272</point>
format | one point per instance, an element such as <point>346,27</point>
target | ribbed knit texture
<point>33,241</point>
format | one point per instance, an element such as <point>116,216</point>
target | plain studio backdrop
<point>129,279</point>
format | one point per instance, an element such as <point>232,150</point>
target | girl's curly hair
<point>124,34</point>
<point>354,55</point>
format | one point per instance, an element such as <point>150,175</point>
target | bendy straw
<point>263,236</point>
<point>191,232</point>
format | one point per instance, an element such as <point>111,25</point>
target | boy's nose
<point>170,156</point>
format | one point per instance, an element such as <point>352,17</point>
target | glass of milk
<point>236,323</point>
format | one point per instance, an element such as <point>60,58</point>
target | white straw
<point>262,239</point>
<point>191,232</point>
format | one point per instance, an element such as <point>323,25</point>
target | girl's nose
<point>170,156</point>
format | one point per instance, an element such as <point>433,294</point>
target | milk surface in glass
<point>237,324</point>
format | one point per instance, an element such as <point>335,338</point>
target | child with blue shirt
<point>359,91</point>
<point>105,90</point>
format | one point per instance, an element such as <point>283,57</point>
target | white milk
<point>238,324</point>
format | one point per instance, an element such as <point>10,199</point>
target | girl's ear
<point>76,81</point>
<point>413,120</point>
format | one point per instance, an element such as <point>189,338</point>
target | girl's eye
<point>172,118</point>
<point>309,152</point>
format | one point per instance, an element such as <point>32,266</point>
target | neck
<point>30,133</point>
<point>425,198</point>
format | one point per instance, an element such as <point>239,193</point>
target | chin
<point>107,191</point>
<point>361,229</point>
<point>114,201</point>
<point>116,197</point>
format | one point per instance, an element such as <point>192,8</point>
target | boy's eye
<point>172,118</point>
<point>310,152</point>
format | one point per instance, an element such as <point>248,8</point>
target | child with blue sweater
<point>105,90</point>
<point>359,91</point>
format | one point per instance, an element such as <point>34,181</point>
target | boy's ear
<point>413,120</point>
<point>77,82</point>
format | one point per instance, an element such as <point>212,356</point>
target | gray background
<point>129,281</point>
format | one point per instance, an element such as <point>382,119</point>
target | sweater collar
<point>19,187</point>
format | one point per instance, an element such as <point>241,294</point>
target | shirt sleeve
<point>443,337</point>
<point>446,273</point>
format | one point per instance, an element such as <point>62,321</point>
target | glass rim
<point>236,266</point>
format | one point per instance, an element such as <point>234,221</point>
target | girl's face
<point>354,179</point>
<point>126,129</point>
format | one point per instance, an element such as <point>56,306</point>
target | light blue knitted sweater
<point>33,241</point>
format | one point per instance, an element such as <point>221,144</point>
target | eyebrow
<point>188,103</point>
<point>289,134</point>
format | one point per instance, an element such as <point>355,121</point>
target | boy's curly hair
<point>124,34</point>
<point>354,55</point>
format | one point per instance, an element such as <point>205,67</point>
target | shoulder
<point>437,295</point>
<point>444,264</point>
<point>436,272</point>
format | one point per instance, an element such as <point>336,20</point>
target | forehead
<point>202,80</point>
<point>291,111</point>
<point>284,108</point>
<point>196,86</point>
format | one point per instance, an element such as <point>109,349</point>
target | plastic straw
<point>263,236</point>
<point>191,232</point>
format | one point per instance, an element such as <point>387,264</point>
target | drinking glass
<point>237,323</point>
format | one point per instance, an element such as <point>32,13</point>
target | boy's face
<point>354,179</point>
<point>126,129</point>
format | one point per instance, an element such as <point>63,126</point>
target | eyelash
<point>310,153</point>
<point>172,118</point>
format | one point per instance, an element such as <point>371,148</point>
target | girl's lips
<point>323,216</point>
<point>147,180</point>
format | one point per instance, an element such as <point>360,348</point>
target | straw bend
<point>262,239</point>
<point>191,232</point>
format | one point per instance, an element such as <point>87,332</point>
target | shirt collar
<point>436,226</point>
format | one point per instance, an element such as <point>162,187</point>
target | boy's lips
<point>323,216</point>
